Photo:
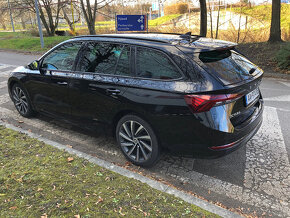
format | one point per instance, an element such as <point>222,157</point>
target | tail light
<point>202,103</point>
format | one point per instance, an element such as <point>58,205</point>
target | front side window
<point>154,64</point>
<point>104,58</point>
<point>62,58</point>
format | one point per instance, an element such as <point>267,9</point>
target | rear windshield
<point>229,66</point>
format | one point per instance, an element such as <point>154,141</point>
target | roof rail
<point>123,37</point>
<point>179,34</point>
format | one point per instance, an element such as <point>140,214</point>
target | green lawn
<point>263,12</point>
<point>25,42</point>
<point>38,179</point>
<point>162,20</point>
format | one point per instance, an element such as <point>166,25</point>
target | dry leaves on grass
<point>70,159</point>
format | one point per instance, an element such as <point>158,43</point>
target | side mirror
<point>34,65</point>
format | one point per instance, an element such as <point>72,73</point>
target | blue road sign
<point>131,22</point>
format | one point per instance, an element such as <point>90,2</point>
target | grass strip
<point>263,12</point>
<point>25,42</point>
<point>39,180</point>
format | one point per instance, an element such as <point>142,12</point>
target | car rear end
<point>230,116</point>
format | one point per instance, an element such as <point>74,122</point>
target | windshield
<point>229,66</point>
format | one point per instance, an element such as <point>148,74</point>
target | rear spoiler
<point>206,44</point>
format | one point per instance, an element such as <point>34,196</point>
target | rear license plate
<point>252,96</point>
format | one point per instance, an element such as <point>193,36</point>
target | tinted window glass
<point>154,64</point>
<point>123,66</point>
<point>62,58</point>
<point>229,66</point>
<point>103,58</point>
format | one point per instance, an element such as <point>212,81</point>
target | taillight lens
<point>202,103</point>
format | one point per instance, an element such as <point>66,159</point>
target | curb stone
<point>124,172</point>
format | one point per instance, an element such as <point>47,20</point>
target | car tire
<point>137,141</point>
<point>21,101</point>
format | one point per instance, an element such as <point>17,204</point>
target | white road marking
<point>3,66</point>
<point>5,73</point>
<point>3,84</point>
<point>267,165</point>
<point>4,98</point>
<point>279,98</point>
<point>285,83</point>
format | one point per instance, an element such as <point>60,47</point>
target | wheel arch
<point>12,82</point>
<point>125,112</point>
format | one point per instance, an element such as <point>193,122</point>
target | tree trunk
<point>203,18</point>
<point>70,24</point>
<point>275,31</point>
<point>89,17</point>
<point>218,20</point>
<point>23,23</point>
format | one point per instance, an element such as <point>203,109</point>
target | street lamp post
<point>39,24</point>
<point>11,18</point>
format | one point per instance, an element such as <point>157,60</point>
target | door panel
<point>95,101</point>
<point>49,92</point>
<point>49,87</point>
<point>96,94</point>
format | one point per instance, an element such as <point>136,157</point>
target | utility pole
<point>11,18</point>
<point>39,24</point>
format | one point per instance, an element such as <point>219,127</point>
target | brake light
<point>202,103</point>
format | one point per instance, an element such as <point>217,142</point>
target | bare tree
<point>66,10</point>
<point>210,18</point>
<point>203,17</point>
<point>275,30</point>
<point>218,20</point>
<point>3,14</point>
<point>90,12</point>
<point>49,12</point>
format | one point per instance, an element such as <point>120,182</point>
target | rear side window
<point>62,58</point>
<point>104,58</point>
<point>154,64</point>
<point>229,66</point>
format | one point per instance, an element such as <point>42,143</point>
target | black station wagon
<point>188,94</point>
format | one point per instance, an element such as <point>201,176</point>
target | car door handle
<point>113,91</point>
<point>61,83</point>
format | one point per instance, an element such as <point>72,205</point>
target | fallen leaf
<point>77,216</point>
<point>13,208</point>
<point>40,189</point>
<point>70,159</point>
<point>100,200</point>
<point>120,211</point>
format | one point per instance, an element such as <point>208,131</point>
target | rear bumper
<point>201,141</point>
<point>218,151</point>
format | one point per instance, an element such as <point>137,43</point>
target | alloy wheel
<point>135,141</point>
<point>20,100</point>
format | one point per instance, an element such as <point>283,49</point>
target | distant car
<point>188,94</point>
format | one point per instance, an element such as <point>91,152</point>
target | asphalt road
<point>253,180</point>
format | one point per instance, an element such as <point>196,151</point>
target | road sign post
<point>131,23</point>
